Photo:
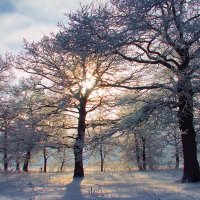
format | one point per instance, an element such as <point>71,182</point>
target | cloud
<point>31,19</point>
<point>11,24</point>
<point>28,19</point>
<point>44,10</point>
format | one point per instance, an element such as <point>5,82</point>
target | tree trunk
<point>62,165</point>
<point>102,165</point>
<point>45,159</point>
<point>177,161</point>
<point>137,152</point>
<point>17,165</point>
<point>26,161</point>
<point>79,143</point>
<point>143,154</point>
<point>5,160</point>
<point>177,156</point>
<point>5,152</point>
<point>78,168</point>
<point>63,161</point>
<point>191,172</point>
<point>102,156</point>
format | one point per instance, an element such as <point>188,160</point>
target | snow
<point>150,185</point>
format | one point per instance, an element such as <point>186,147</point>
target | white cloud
<point>11,24</point>
<point>44,10</point>
<point>31,19</point>
<point>31,33</point>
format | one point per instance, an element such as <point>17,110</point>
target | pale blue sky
<point>31,19</point>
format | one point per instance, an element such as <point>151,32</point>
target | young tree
<point>63,159</point>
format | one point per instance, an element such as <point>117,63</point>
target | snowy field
<point>150,185</point>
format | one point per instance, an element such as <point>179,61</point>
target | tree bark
<point>191,172</point>
<point>79,143</point>
<point>26,161</point>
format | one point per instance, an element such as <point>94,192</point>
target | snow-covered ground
<point>150,185</point>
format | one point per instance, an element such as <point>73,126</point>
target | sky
<point>31,19</point>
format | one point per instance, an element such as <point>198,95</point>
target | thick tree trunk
<point>191,172</point>
<point>45,160</point>
<point>26,161</point>
<point>78,168</point>
<point>79,143</point>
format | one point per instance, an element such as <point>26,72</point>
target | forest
<point>117,87</point>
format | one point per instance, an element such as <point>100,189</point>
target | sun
<point>88,84</point>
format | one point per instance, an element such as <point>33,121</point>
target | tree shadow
<point>73,190</point>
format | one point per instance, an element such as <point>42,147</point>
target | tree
<point>29,127</point>
<point>154,36</point>
<point>9,112</point>
<point>6,113</point>
<point>63,159</point>
<point>74,79</point>
<point>6,119</point>
<point>142,141</point>
<point>175,26</point>
<point>99,147</point>
<point>155,132</point>
<point>173,139</point>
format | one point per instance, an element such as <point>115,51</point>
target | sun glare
<point>88,83</point>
